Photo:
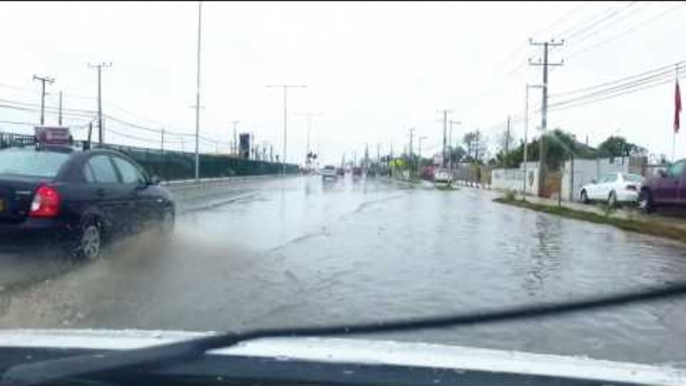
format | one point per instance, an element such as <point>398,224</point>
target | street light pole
<point>285,120</point>
<point>450,140</point>
<point>197,99</point>
<point>309,117</point>
<point>235,137</point>
<point>419,151</point>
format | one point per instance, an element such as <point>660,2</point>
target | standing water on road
<point>312,252</point>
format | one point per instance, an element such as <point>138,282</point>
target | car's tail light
<point>46,202</point>
<point>631,187</point>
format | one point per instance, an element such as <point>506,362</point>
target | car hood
<point>359,351</point>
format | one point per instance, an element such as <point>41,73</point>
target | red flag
<point>677,107</point>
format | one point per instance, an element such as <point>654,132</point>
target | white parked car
<point>612,188</point>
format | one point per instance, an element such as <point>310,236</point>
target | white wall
<point>513,179</point>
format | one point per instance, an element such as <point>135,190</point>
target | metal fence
<point>176,165</point>
<point>14,140</point>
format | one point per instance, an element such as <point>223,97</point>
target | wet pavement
<point>300,251</point>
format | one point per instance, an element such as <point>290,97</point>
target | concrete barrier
<point>209,188</point>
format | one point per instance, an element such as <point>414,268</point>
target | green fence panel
<point>174,165</point>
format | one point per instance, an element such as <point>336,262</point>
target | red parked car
<point>667,188</point>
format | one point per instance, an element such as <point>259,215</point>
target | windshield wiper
<point>82,365</point>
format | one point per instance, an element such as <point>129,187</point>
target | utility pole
<point>99,67</point>
<point>390,158</point>
<point>197,98</point>
<point>162,142</point>
<point>59,119</point>
<point>542,171</point>
<point>285,120</point>
<point>252,145</point>
<point>43,80</point>
<point>309,129</point>
<point>419,164</point>
<point>410,152</point>
<point>445,134</point>
<point>235,137</point>
<point>507,137</point>
<point>478,145</point>
<point>450,140</point>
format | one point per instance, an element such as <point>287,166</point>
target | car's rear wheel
<point>645,201</point>
<point>584,197</point>
<point>90,242</point>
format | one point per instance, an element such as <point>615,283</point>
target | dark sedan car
<point>668,188</point>
<point>71,202</point>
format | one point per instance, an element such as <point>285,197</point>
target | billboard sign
<point>53,136</point>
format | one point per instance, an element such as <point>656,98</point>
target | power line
<point>560,107</point>
<point>621,87</point>
<point>578,28</point>
<point>617,20</point>
<point>562,19</point>
<point>589,28</point>
<point>627,30</point>
<point>514,54</point>
<point>655,71</point>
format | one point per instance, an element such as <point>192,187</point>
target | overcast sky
<point>372,70</point>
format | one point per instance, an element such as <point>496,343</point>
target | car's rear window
<point>31,162</point>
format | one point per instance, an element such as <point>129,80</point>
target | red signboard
<point>59,136</point>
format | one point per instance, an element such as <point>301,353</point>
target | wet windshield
<point>282,164</point>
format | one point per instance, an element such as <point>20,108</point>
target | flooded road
<point>301,251</point>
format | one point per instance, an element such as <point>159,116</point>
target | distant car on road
<point>443,178</point>
<point>668,188</point>
<point>329,171</point>
<point>340,172</point>
<point>612,188</point>
<point>71,202</point>
<point>357,171</point>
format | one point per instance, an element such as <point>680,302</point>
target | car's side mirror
<point>593,181</point>
<point>155,180</point>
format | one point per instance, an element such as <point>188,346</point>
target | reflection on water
<point>546,254</point>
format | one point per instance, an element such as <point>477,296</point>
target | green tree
<point>616,146</point>
<point>476,147</point>
<point>559,144</point>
